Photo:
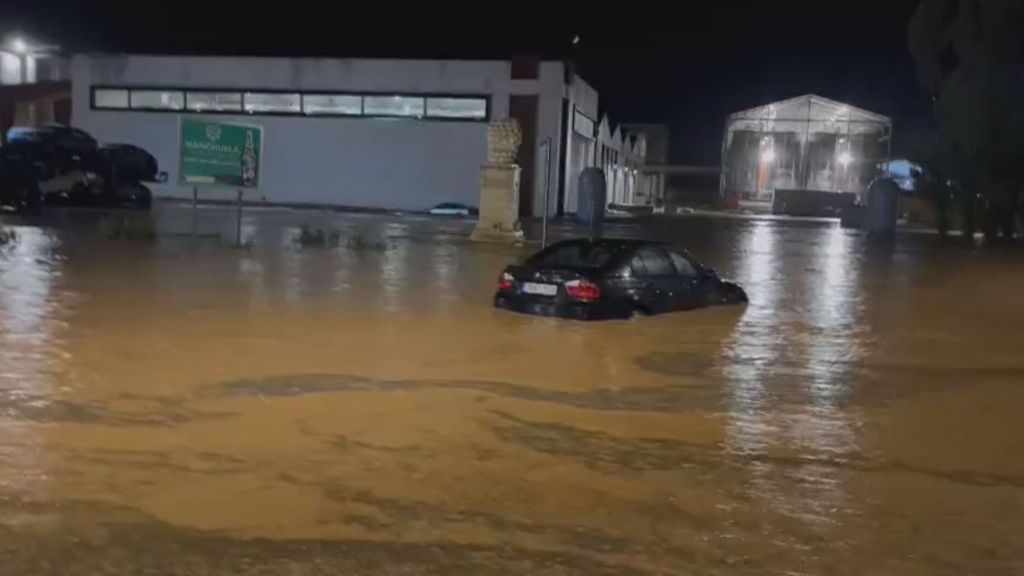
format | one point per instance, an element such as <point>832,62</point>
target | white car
<point>453,209</point>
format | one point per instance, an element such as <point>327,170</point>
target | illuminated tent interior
<point>804,143</point>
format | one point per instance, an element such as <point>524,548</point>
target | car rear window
<point>582,255</point>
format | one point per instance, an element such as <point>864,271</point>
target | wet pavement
<point>179,406</point>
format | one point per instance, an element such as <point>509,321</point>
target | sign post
<point>238,221</point>
<point>195,212</point>
<point>545,178</point>
<point>225,154</point>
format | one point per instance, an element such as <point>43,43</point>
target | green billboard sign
<point>220,153</point>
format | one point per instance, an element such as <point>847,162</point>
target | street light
<point>19,45</point>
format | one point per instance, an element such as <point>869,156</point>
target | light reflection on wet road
<point>187,408</point>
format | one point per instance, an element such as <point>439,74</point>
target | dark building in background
<point>650,186</point>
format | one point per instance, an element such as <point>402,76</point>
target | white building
<point>395,134</point>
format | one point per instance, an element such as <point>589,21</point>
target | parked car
<point>129,163</point>
<point>54,138</point>
<point>611,278</point>
<point>20,173</point>
<point>453,209</point>
<point>63,165</point>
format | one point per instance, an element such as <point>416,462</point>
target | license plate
<point>540,289</point>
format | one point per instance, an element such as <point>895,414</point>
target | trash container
<point>591,200</point>
<point>883,207</point>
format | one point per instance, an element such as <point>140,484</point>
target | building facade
<point>650,185</point>
<point>391,134</point>
<point>34,87</point>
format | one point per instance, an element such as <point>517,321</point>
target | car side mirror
<point>709,273</point>
<point>162,177</point>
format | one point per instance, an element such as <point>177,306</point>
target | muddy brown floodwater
<point>183,407</point>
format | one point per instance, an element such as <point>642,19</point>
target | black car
<point>63,165</point>
<point>611,278</point>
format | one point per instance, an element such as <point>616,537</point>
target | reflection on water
<point>757,344</point>
<point>30,352</point>
<point>790,366</point>
<point>365,407</point>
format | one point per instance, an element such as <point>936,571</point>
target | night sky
<point>688,69</point>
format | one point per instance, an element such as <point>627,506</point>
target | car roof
<point>623,246</point>
<point>611,243</point>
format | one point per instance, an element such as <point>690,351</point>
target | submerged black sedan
<point>611,278</point>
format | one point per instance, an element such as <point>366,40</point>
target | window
<point>227,101</point>
<point>332,104</point>
<point>112,98</point>
<point>583,125</point>
<point>10,68</point>
<point>656,262</point>
<point>214,101</point>
<point>157,100</point>
<point>30,69</point>
<point>685,268</point>
<point>574,255</point>
<point>467,108</point>
<point>636,267</point>
<point>272,102</point>
<point>410,106</point>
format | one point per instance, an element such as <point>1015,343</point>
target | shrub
<point>359,243</point>
<point>318,237</point>
<point>122,227</point>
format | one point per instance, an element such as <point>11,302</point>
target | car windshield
<point>575,255</point>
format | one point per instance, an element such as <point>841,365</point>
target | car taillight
<point>506,283</point>
<point>583,290</point>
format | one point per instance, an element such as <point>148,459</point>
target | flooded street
<point>184,407</point>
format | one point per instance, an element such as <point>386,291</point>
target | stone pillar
<point>499,204</point>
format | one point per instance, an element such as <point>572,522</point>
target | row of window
<point>649,261</point>
<point>299,103</point>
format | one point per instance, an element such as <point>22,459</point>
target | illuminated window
<point>10,68</point>
<point>214,101</point>
<point>583,125</point>
<point>112,98</point>
<point>256,102</point>
<point>465,108</point>
<point>332,104</point>
<point>409,106</point>
<point>272,102</point>
<point>157,100</point>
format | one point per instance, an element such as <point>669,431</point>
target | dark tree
<point>970,57</point>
